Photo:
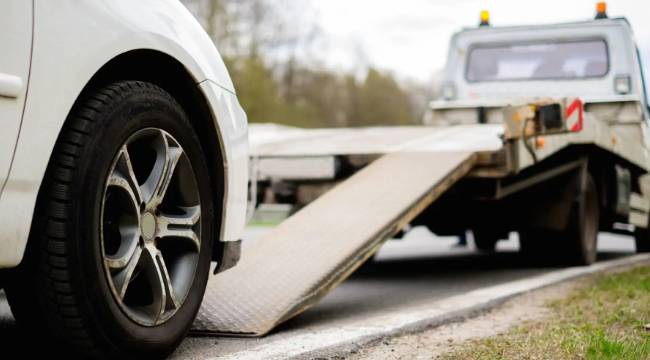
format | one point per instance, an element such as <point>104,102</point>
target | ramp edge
<point>381,237</point>
<point>430,180</point>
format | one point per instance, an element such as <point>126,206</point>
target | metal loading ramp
<point>309,254</point>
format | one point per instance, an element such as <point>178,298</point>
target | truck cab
<point>543,73</point>
<point>489,67</point>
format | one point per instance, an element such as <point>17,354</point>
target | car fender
<point>74,39</point>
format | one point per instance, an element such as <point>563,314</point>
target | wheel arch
<point>171,75</point>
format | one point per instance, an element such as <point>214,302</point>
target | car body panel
<point>225,105</point>
<point>72,40</point>
<point>15,34</point>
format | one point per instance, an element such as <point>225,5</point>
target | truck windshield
<point>538,61</point>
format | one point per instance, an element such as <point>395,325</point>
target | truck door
<point>16,20</point>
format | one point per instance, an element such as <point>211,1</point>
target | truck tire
<point>121,242</point>
<point>642,239</point>
<point>580,239</point>
<point>538,245</point>
<point>577,243</point>
<point>485,240</point>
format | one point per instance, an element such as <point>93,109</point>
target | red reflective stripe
<point>576,105</point>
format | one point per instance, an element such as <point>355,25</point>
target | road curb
<point>343,340</point>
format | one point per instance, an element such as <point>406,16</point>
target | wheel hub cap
<point>148,225</point>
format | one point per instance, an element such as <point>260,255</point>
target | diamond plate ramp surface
<point>302,259</point>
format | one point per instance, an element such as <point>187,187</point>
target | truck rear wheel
<point>536,244</point>
<point>486,240</point>
<point>577,243</point>
<point>642,239</point>
<point>121,243</point>
<point>580,239</point>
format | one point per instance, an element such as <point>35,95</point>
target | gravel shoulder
<point>602,316</point>
<point>439,341</point>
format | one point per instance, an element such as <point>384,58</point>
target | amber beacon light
<point>485,18</point>
<point>601,10</point>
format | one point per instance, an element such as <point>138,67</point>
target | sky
<point>410,37</point>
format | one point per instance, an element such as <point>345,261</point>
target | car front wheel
<point>121,243</point>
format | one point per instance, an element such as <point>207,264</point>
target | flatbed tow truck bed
<point>277,150</point>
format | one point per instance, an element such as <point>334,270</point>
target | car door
<point>16,25</point>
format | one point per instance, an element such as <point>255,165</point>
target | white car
<point>123,171</point>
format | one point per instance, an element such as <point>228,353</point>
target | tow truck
<point>540,130</point>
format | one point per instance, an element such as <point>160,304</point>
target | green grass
<point>256,223</point>
<point>604,319</point>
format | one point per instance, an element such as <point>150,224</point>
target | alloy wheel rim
<point>150,227</point>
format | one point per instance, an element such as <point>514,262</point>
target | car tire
<point>72,285</point>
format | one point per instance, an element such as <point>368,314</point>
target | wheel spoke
<point>181,226</point>
<point>124,176</point>
<point>122,280</point>
<point>161,175</point>
<point>126,252</point>
<point>157,307</point>
<point>161,285</point>
<point>171,303</point>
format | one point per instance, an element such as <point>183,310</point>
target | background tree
<point>268,46</point>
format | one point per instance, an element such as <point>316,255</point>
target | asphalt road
<point>418,269</point>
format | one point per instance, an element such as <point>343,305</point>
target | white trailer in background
<point>542,130</point>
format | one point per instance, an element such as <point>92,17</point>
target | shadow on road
<point>20,343</point>
<point>434,266</point>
